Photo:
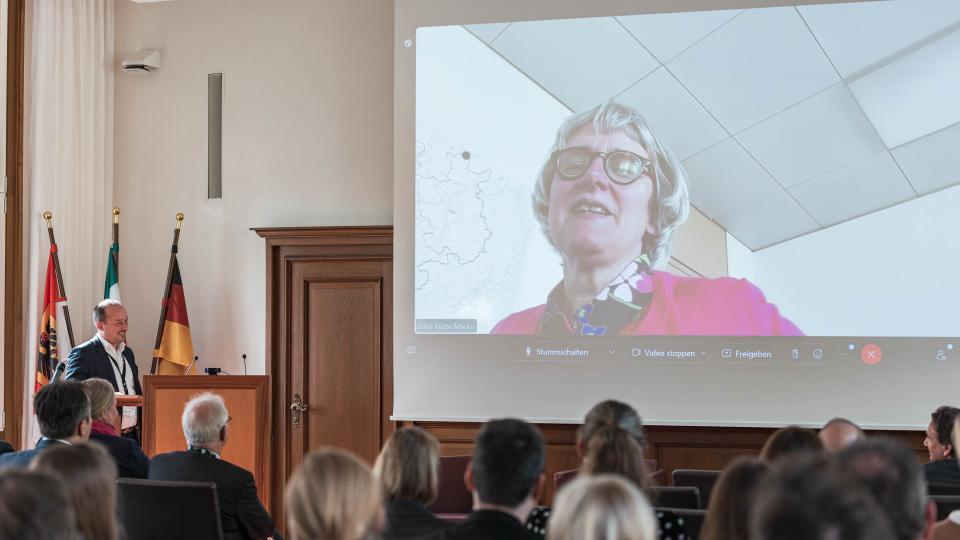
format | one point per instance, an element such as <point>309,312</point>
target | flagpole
<point>48,216</point>
<point>166,291</point>
<point>116,240</point>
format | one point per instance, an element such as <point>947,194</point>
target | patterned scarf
<point>618,304</point>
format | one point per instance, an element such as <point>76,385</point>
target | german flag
<point>47,357</point>
<point>175,353</point>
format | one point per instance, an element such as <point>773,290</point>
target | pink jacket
<point>685,306</point>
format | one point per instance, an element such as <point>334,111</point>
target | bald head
<point>838,434</point>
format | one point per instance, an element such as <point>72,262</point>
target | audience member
<point>949,529</point>
<point>205,426</point>
<point>788,440</point>
<point>504,476</point>
<point>126,453</point>
<point>733,500</point>
<point>63,413</point>
<point>602,507</point>
<point>90,477</point>
<point>407,470</point>
<point>333,496</point>
<point>5,447</point>
<point>942,468</point>
<point>35,506</point>
<point>802,500</point>
<point>838,434</point>
<point>611,440</point>
<point>892,475</point>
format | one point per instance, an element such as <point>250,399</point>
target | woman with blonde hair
<point>407,471</point>
<point>90,476</point>
<point>602,507</point>
<point>333,496</point>
<point>126,453</point>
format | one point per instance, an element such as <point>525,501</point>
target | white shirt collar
<point>954,517</point>
<point>116,352</point>
<point>64,441</point>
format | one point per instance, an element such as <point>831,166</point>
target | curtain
<point>69,163</point>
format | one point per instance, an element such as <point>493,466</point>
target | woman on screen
<point>609,199</point>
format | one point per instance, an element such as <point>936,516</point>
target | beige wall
<point>308,140</point>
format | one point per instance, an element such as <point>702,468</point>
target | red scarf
<point>103,428</point>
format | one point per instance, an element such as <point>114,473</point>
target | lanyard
<point>123,372</point>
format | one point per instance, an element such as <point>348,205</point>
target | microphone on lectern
<point>195,360</point>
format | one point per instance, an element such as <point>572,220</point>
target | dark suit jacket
<point>5,447</point>
<point>130,459</point>
<point>90,359</point>
<point>945,471</point>
<point>22,459</point>
<point>488,525</point>
<point>410,520</point>
<point>241,513</point>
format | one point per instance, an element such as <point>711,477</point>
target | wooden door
<point>329,332</point>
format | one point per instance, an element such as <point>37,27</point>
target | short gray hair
<point>672,199</point>
<point>203,418</point>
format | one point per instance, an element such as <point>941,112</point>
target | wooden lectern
<point>248,403</point>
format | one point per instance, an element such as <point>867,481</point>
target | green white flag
<point>111,285</point>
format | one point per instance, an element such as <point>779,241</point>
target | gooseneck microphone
<point>244,356</point>
<point>195,360</point>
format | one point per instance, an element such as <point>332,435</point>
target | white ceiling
<point>788,120</point>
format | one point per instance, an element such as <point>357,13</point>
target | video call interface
<point>746,186</point>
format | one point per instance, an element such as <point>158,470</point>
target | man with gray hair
<point>206,426</point>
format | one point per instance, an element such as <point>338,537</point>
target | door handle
<point>297,407</point>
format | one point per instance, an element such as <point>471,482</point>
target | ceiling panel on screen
<point>486,32</point>
<point>680,123</point>
<point>815,136</point>
<point>758,64</point>
<point>582,62</point>
<point>914,95</point>
<point>858,35</point>
<point>871,184</point>
<point>666,35</point>
<point>933,162</point>
<point>765,221</point>
<point>724,178</point>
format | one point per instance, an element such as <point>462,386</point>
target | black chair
<point>676,497</point>
<point>703,480</point>
<point>159,510</point>
<point>943,489</point>
<point>692,520</point>
<point>945,505</point>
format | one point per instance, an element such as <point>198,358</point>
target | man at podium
<point>106,356</point>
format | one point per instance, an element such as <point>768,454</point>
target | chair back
<point>701,479</point>
<point>692,520</point>
<point>452,494</point>
<point>676,497</point>
<point>945,505</point>
<point>160,510</point>
<point>943,489</point>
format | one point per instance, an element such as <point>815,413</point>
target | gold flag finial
<point>116,214</point>
<point>179,219</point>
<point>47,216</point>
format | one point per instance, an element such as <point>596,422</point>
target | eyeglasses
<point>621,166</point>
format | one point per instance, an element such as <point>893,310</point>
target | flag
<point>47,354</point>
<point>175,353</point>
<point>111,285</point>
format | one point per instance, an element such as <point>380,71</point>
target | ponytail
<point>611,449</point>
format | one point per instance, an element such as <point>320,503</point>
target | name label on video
<point>446,326</point>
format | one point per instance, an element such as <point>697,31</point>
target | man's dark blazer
<point>944,471</point>
<point>488,525</point>
<point>22,459</point>
<point>90,359</point>
<point>6,448</point>
<point>130,459</point>
<point>241,513</point>
<point>410,520</point>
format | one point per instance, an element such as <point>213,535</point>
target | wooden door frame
<point>284,248</point>
<point>13,346</point>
